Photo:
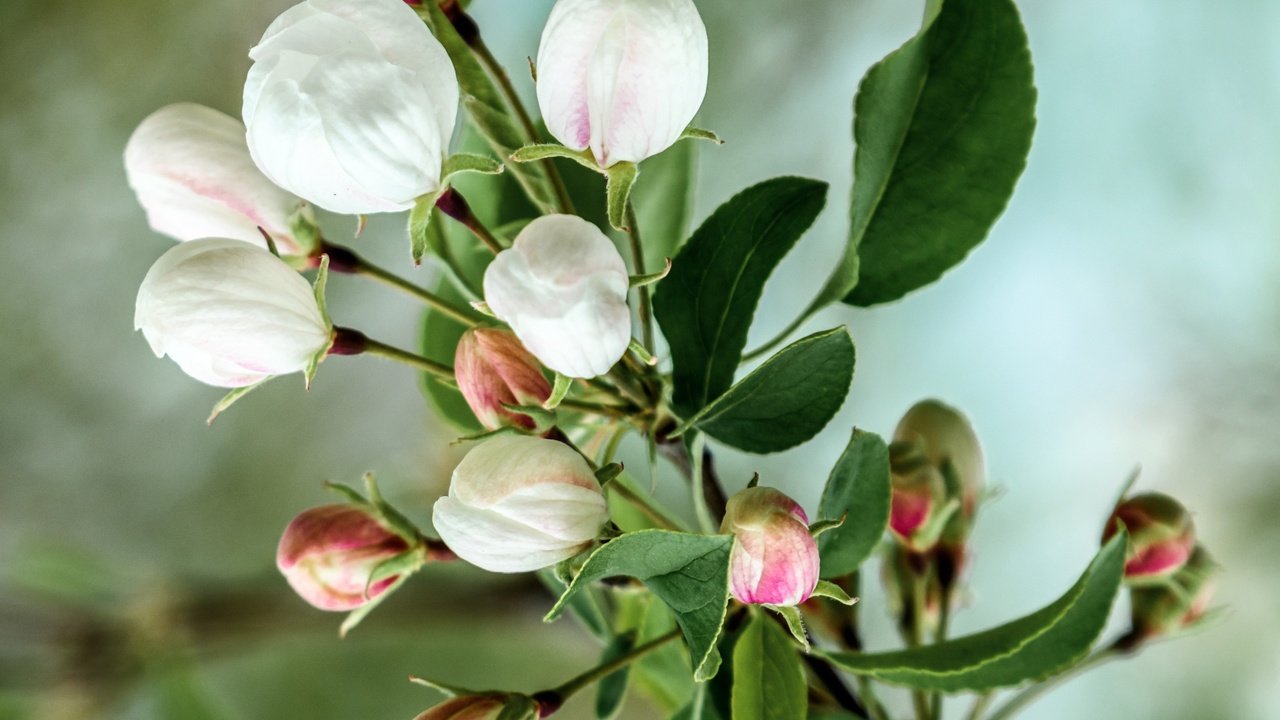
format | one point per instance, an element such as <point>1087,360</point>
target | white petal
<point>494,542</point>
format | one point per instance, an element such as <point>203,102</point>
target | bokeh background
<point>1123,312</point>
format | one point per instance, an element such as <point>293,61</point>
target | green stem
<point>1030,694</point>
<point>572,687</point>
<point>499,74</point>
<point>642,504</point>
<point>444,306</point>
<point>980,705</point>
<point>637,258</point>
<point>373,347</point>
<point>915,637</point>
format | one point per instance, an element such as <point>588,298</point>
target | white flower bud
<point>562,286</point>
<point>350,104</point>
<point>230,314</point>
<point>191,170</point>
<point>622,77</point>
<point>518,503</point>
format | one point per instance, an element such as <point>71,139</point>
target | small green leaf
<point>651,278</point>
<point>559,389</point>
<point>785,401</point>
<point>828,589</point>
<point>943,126</point>
<point>1033,647</point>
<point>706,304</point>
<point>470,163</point>
<point>693,133</point>
<point>622,176</point>
<point>768,679</point>
<point>859,488</point>
<point>795,623</point>
<point>690,573</point>
<point>420,224</point>
<point>612,689</point>
<point>545,151</point>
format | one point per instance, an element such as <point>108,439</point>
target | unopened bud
<point>918,498</point>
<point>329,553</point>
<point>900,573</point>
<point>1161,536</point>
<point>518,503</point>
<point>774,559</point>
<point>466,707</point>
<point>493,371</point>
<point>1177,604</point>
<point>947,439</point>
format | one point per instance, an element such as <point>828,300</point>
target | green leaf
<point>943,126</point>
<point>785,401</point>
<point>858,485</point>
<point>828,589</point>
<point>1033,647</point>
<point>664,201</point>
<point>690,573</point>
<point>486,106</point>
<point>768,679</point>
<point>612,689</point>
<point>706,304</point>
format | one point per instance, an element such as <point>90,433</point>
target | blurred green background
<point>1123,311</point>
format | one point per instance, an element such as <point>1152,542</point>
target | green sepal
<point>795,623</point>
<point>607,473</point>
<point>505,430</point>
<point>642,352</point>
<point>318,288</point>
<point>695,133</point>
<point>643,280</point>
<point>558,391</point>
<point>546,151</point>
<point>828,589</point>
<point>483,308</point>
<point>303,227</point>
<point>542,418</point>
<point>518,707</point>
<point>355,617</point>
<point>424,207</point>
<point>822,526</point>
<point>929,535</point>
<point>404,564</point>
<point>622,176</point>
<point>230,398</point>
<point>395,522</point>
<point>350,494</point>
<point>447,689</point>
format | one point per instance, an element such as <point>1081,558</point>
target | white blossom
<point>562,287</point>
<point>621,77</point>
<point>350,104</point>
<point>190,168</point>
<point>518,503</point>
<point>230,314</point>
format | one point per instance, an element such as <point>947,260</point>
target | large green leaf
<point>706,304</point>
<point>859,486</point>
<point>943,126</point>
<point>690,573</point>
<point>1033,647</point>
<point>768,679</point>
<point>786,400</point>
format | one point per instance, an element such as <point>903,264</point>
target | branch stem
<point>367,269</point>
<point>637,261</point>
<point>557,696</point>
<point>353,342</point>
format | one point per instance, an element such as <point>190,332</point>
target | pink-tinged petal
<point>1160,559</point>
<point>466,707</point>
<point>494,370</point>
<point>774,559</point>
<point>329,553</point>
<point>909,512</point>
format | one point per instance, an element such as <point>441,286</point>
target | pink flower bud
<point>493,369</point>
<point>1180,602</point>
<point>947,440</point>
<point>518,503</point>
<point>1161,536</point>
<point>621,77</point>
<point>328,554</point>
<point>774,559</point>
<point>466,707</point>
<point>190,168</point>
<point>918,495</point>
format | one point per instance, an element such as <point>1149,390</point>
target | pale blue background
<point>1123,311</point>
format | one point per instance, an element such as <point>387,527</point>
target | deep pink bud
<point>919,495</point>
<point>1161,536</point>
<point>1178,603</point>
<point>493,369</point>
<point>329,552</point>
<point>466,707</point>
<point>774,559</point>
